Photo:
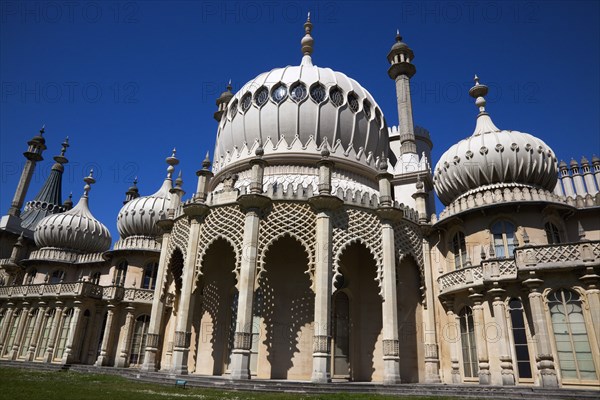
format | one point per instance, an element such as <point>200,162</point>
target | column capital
<point>390,214</point>
<point>253,202</point>
<point>324,202</point>
<point>195,210</point>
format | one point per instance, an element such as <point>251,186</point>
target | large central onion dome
<point>493,157</point>
<point>76,229</point>
<point>291,111</point>
<point>138,217</point>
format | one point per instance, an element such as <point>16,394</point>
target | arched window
<point>570,334</point>
<point>517,319</point>
<point>65,328</point>
<point>95,279</point>
<point>28,332</point>
<point>504,239</point>
<point>138,341</point>
<point>467,339</point>
<point>121,273</point>
<point>57,276</point>
<point>13,331</point>
<point>150,273</point>
<point>341,335</point>
<point>459,249</point>
<point>552,233</point>
<point>43,340</point>
<point>30,277</point>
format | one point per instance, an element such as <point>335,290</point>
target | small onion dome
<point>595,160</point>
<point>400,47</point>
<point>573,163</point>
<point>493,156</point>
<point>76,229</point>
<point>40,138</point>
<point>138,217</point>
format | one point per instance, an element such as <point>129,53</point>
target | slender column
<point>30,355</point>
<point>323,204</point>
<point>23,320</point>
<point>452,336</point>
<point>123,359</point>
<point>103,357</point>
<point>388,214</point>
<point>588,177</point>
<point>506,363</point>
<point>53,332</point>
<point>596,170</point>
<point>6,325</point>
<point>252,204</point>
<point>544,356</point>
<point>432,361</point>
<point>156,315</point>
<point>567,180</point>
<point>182,325</point>
<point>481,340</point>
<point>592,293</point>
<point>68,356</point>
<point>577,179</point>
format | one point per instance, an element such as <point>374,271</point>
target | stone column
<point>481,339</point>
<point>6,325</point>
<point>506,364</point>
<point>103,357</point>
<point>68,356</point>
<point>23,319</point>
<point>123,358</point>
<point>252,204</point>
<point>182,324</point>
<point>30,355</point>
<point>156,315</point>
<point>591,281</point>
<point>388,214</point>
<point>544,357</point>
<point>432,361</point>
<point>452,328</point>
<point>323,204</point>
<point>58,313</point>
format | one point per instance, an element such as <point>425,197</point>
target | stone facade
<point>311,258</point>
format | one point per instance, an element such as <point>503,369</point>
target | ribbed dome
<point>76,229</point>
<point>292,110</point>
<point>493,156</point>
<point>138,217</point>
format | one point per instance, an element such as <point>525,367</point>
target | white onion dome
<point>75,229</point>
<point>138,217</point>
<point>290,112</point>
<point>491,156</point>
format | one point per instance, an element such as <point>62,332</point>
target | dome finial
<point>61,159</point>
<point>43,129</point>
<point>398,37</point>
<point>229,87</point>
<point>484,122</point>
<point>89,181</point>
<point>172,161</point>
<point>206,162</point>
<point>307,42</point>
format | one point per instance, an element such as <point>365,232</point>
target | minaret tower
<point>33,154</point>
<point>401,70</point>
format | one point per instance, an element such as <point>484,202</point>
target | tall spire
<point>484,122</point>
<point>307,42</point>
<point>49,199</point>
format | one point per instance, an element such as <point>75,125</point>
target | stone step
<point>260,385</point>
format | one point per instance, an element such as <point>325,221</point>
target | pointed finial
<point>89,180</point>
<point>580,231</point>
<point>478,92</point>
<point>325,153</point>
<point>383,165</point>
<point>206,162</point>
<point>525,236</point>
<point>61,159</point>
<point>398,37</point>
<point>179,180</point>
<point>307,42</point>
<point>65,144</point>
<point>229,87</point>
<point>482,254</point>
<point>172,161</point>
<point>260,151</point>
<point>43,129</point>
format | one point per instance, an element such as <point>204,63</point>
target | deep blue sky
<point>128,81</point>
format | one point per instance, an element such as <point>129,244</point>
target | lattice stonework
<point>407,240</point>
<point>179,237</point>
<point>226,223</point>
<point>288,219</point>
<point>351,225</point>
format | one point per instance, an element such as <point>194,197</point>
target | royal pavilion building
<point>310,249</point>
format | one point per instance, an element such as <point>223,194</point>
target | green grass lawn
<point>22,384</point>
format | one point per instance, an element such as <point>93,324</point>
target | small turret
<point>222,102</point>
